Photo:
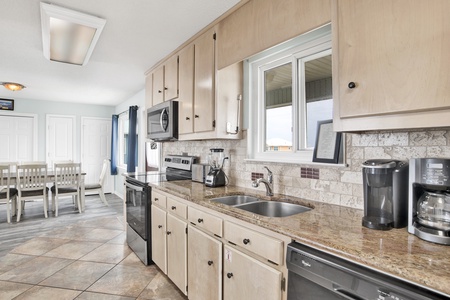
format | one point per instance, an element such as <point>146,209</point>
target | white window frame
<point>305,46</point>
<point>123,119</point>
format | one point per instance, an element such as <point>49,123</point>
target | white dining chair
<point>67,183</point>
<point>98,187</point>
<point>31,184</point>
<point>8,195</point>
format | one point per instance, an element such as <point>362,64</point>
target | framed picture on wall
<point>6,104</point>
<point>328,143</point>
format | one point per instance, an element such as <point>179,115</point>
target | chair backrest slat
<point>67,175</point>
<point>31,176</point>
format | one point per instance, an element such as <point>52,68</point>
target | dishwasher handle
<point>345,293</point>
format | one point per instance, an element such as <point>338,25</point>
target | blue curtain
<point>132,139</point>
<point>114,143</point>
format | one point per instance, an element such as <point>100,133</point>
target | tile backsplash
<point>332,184</point>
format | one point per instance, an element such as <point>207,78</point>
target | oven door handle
<point>134,187</point>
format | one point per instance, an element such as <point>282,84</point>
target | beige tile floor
<point>84,260</point>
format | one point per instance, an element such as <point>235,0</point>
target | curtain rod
<point>125,111</point>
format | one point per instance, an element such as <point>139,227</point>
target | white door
<point>60,138</point>
<point>18,138</point>
<point>95,147</point>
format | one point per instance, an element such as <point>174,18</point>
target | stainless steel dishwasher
<point>315,275</point>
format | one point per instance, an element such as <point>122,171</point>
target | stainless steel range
<point>138,201</point>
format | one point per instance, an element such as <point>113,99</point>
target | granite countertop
<point>336,230</point>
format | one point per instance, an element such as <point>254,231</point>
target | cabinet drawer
<point>258,243</point>
<point>177,208</point>
<point>206,221</point>
<point>159,199</point>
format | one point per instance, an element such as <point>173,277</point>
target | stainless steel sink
<point>273,208</point>
<point>235,200</point>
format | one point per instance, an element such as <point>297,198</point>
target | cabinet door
<point>204,266</point>
<point>171,78</point>
<point>186,93</point>
<point>176,251</point>
<point>149,90</point>
<point>396,53</point>
<point>247,278</point>
<point>159,247</point>
<point>158,85</point>
<point>204,92</point>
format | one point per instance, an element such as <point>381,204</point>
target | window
<point>123,139</point>
<point>290,89</point>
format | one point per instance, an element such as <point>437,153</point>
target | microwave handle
<point>163,112</point>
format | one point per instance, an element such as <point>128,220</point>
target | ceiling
<point>137,34</point>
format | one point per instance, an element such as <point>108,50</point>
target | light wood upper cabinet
<point>158,85</point>
<point>259,25</point>
<point>390,64</point>
<point>204,85</point>
<point>186,97</point>
<point>149,90</point>
<point>165,81</point>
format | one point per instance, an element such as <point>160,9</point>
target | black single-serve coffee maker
<point>385,194</point>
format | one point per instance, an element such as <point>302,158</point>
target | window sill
<point>279,161</point>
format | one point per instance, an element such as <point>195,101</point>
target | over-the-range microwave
<point>162,121</point>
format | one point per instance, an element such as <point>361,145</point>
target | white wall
<point>139,100</point>
<point>43,108</point>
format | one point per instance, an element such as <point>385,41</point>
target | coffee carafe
<point>385,194</point>
<point>216,176</point>
<point>429,199</point>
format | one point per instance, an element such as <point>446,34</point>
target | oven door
<point>138,208</point>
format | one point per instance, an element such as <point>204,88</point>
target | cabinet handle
<point>210,262</point>
<point>200,220</point>
<point>159,91</point>
<point>196,116</point>
<point>165,88</point>
<point>156,199</point>
<point>159,226</point>
<point>174,207</point>
<point>246,241</point>
<point>351,85</point>
<point>169,232</point>
<point>229,275</point>
<point>187,118</point>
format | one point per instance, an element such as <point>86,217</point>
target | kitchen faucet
<point>268,183</point>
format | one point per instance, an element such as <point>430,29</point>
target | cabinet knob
<point>200,220</point>
<point>187,118</point>
<point>159,226</point>
<point>159,91</point>
<point>246,241</point>
<point>229,275</point>
<point>156,199</point>
<point>174,207</point>
<point>165,88</point>
<point>169,232</point>
<point>210,262</point>
<point>196,116</point>
<point>351,85</point>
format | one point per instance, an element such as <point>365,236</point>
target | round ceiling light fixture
<point>13,86</point>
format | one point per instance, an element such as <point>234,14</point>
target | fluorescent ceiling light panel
<point>69,36</point>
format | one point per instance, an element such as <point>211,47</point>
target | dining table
<point>51,179</point>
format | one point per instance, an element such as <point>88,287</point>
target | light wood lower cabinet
<point>176,251</point>
<point>204,265</point>
<point>159,245</point>
<point>169,239</point>
<point>247,278</point>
